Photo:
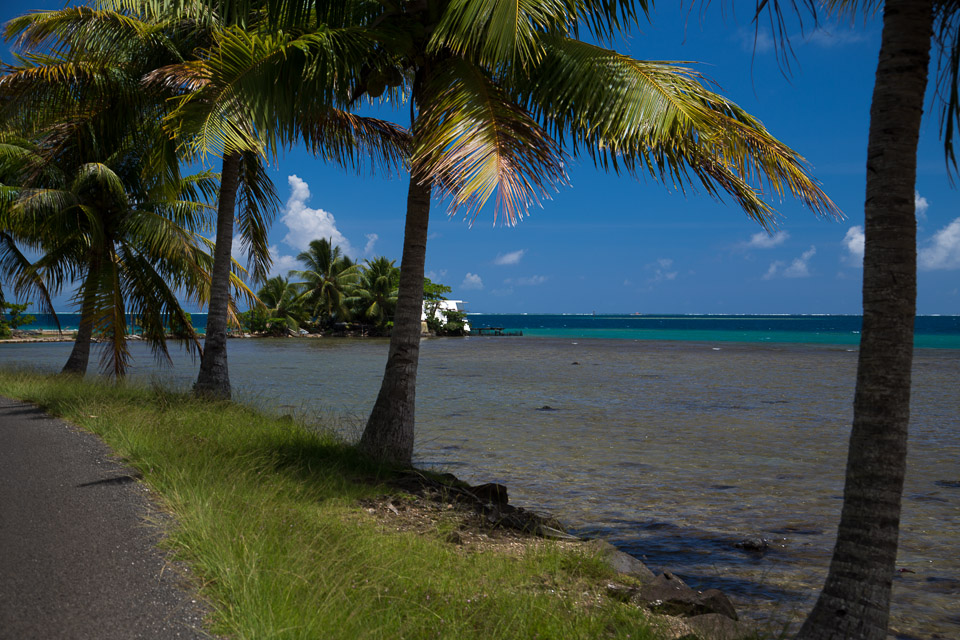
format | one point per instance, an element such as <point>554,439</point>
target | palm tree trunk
<point>214,379</point>
<point>389,432</point>
<point>80,354</point>
<point>855,601</point>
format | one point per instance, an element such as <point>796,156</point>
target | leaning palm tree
<point>855,600</point>
<point>129,237</point>
<point>145,38</point>
<point>225,85</point>
<point>327,281</point>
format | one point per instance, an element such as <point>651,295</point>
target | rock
<point>622,562</point>
<point>755,545</point>
<point>714,626</point>
<point>545,407</point>
<point>668,594</point>
<point>491,493</point>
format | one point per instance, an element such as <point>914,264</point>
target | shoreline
<point>495,564</point>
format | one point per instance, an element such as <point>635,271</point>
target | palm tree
<point>855,600</point>
<point>375,295</point>
<point>495,94</point>
<point>226,85</point>
<point>148,38</point>
<point>327,281</point>
<point>130,237</point>
<point>16,155</point>
<point>283,304</point>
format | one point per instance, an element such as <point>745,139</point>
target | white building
<point>446,305</point>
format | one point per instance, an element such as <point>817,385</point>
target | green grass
<point>268,518</point>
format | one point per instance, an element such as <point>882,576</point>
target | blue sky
<point>610,244</point>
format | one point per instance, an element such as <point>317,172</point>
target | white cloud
<point>757,41</point>
<point>921,205</point>
<point>306,224</point>
<point>281,263</point>
<point>371,240</point>
<point>764,240</point>
<point>799,267</point>
<point>436,276</point>
<point>774,269</point>
<point>853,241</point>
<point>509,258</point>
<point>471,281</point>
<point>943,250</point>
<point>532,281</point>
<point>835,37</point>
<point>661,270</point>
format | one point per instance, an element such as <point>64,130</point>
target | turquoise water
<point>929,331</point>
<point>936,332</point>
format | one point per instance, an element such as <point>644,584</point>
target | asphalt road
<point>78,558</point>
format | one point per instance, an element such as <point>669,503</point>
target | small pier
<point>496,331</point>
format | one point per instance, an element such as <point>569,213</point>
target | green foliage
<point>255,320</point>
<point>433,292</point>
<point>270,519</point>
<point>327,281</point>
<point>456,322</point>
<point>13,318</point>
<point>374,298</point>
<point>181,327</point>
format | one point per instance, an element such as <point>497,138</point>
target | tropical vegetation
<point>12,317</point>
<point>104,211</point>
<point>335,294</point>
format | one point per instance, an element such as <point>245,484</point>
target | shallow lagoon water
<point>673,450</point>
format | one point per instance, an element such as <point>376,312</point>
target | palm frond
<point>472,139</point>
<point>659,118</point>
<point>947,40</point>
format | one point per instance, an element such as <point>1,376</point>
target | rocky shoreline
<point>485,518</point>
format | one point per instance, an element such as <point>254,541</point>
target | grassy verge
<point>269,518</point>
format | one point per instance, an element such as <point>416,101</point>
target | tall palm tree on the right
<point>855,601</point>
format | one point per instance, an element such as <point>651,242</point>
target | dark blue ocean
<point>941,332</point>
